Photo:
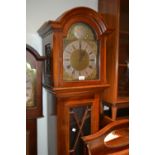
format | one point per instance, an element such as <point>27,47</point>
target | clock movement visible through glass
<point>80,54</point>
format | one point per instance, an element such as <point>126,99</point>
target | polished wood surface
<point>64,108</point>
<point>77,102</point>
<point>59,29</point>
<point>116,16</point>
<point>97,145</point>
<point>27,142</point>
<point>31,137</point>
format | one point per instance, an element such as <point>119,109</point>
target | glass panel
<point>123,77</point>
<point>48,65</point>
<point>80,56</point>
<point>48,60</point>
<point>79,126</point>
<point>30,85</point>
<point>123,82</point>
<point>124,49</point>
<point>124,15</point>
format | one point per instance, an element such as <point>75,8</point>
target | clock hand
<point>82,52</point>
<point>80,44</point>
<point>80,56</point>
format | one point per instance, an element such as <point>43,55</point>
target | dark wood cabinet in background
<point>116,16</point>
<point>33,97</point>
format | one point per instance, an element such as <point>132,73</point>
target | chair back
<point>113,139</point>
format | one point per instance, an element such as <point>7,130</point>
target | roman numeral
<point>74,47</point>
<point>90,53</point>
<point>73,72</point>
<point>92,59</point>
<point>66,59</point>
<point>68,66</point>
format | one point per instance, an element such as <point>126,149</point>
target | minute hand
<point>82,53</point>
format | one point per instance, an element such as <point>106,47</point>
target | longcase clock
<point>33,97</point>
<point>75,73</point>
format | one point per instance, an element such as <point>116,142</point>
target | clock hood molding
<point>54,33</point>
<point>78,14</point>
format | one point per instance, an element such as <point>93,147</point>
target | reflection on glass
<point>117,138</point>
<point>79,126</point>
<point>30,85</point>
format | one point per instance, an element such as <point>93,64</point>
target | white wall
<point>37,12</point>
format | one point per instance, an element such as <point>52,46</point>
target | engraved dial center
<point>79,60</point>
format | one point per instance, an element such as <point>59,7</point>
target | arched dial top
<point>80,54</point>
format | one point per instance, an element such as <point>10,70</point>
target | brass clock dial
<point>80,55</point>
<point>30,85</point>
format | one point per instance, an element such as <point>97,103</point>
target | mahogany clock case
<point>33,97</point>
<point>78,35</point>
<point>54,35</point>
